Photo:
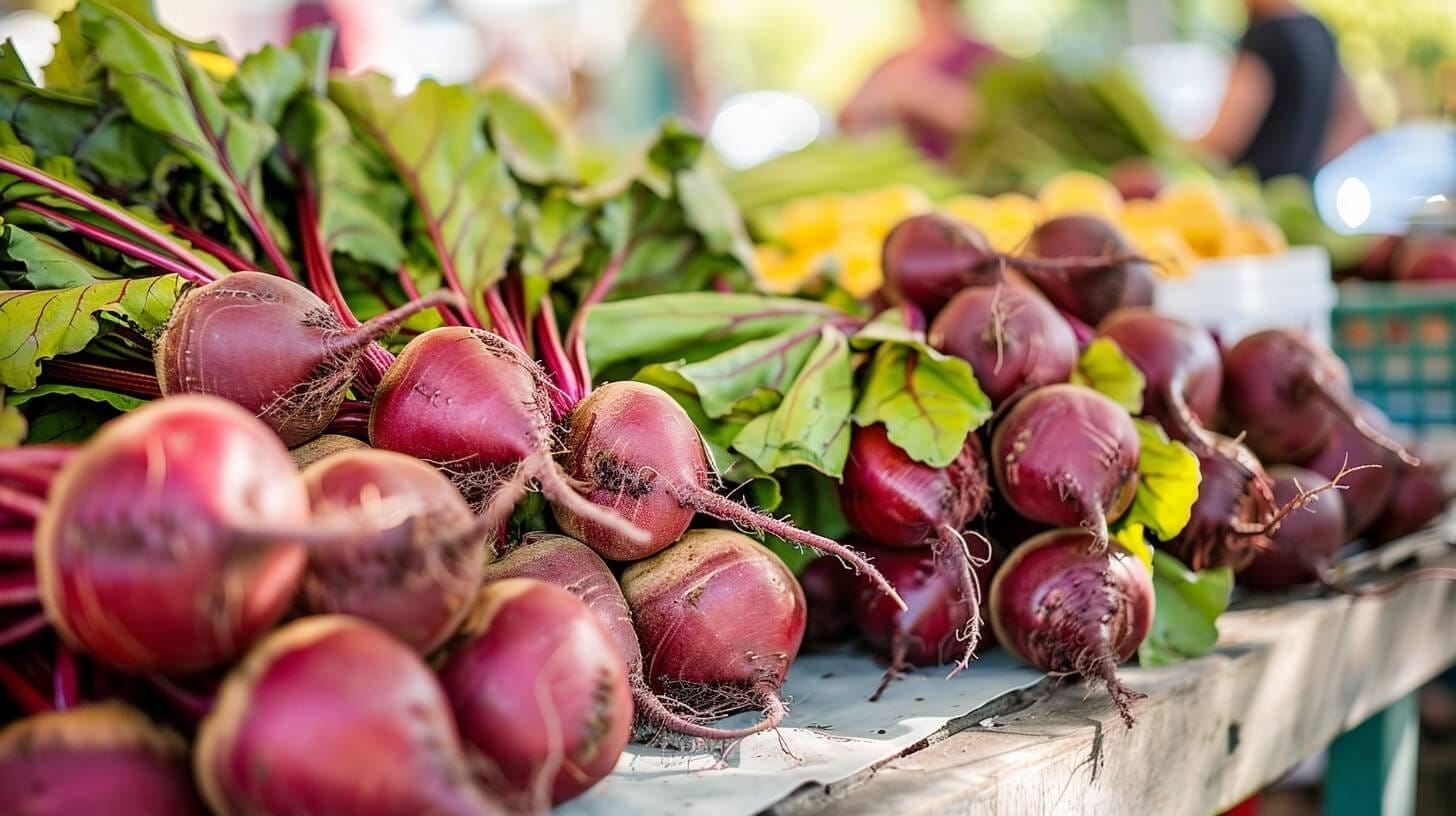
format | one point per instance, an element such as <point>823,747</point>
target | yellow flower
<point>1199,211</point>
<point>1013,217</point>
<point>1253,236</point>
<point>810,223</point>
<point>1080,193</point>
<point>875,212</point>
<point>784,273</point>
<point>218,65</point>
<point>1165,248</point>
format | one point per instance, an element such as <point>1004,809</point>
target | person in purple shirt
<point>926,88</point>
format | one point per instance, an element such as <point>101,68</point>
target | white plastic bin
<point>1235,297</point>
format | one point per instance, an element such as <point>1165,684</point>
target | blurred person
<point>926,88</point>
<point>1289,107</point>
<point>657,74</point>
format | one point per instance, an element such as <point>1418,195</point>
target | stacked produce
<point>474,572</point>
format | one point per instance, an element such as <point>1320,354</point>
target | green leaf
<point>360,206</point>
<point>1168,480</point>
<point>167,94</point>
<point>1188,606</point>
<point>12,423</point>
<point>693,325</point>
<point>1104,368</point>
<point>811,425</point>
<point>1132,535</point>
<point>121,402</point>
<point>47,263</point>
<point>435,142</point>
<point>39,325</point>
<point>558,234</point>
<point>528,136</point>
<point>757,372</point>
<point>266,81</point>
<point>711,212</point>
<point>929,402</point>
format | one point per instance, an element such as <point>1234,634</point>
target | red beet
<point>1067,455</point>
<point>719,616</point>
<point>477,407</point>
<point>928,258</point>
<point>172,541</point>
<point>271,346</point>
<point>942,617</point>
<point>1235,506</point>
<point>899,502</point>
<point>102,758</point>
<point>1366,491</point>
<point>1011,336</point>
<point>1285,393</point>
<point>1181,364</point>
<point>638,454</point>
<point>323,447</point>
<point>1418,499</point>
<point>829,601</point>
<point>1426,257</point>
<point>1067,605</point>
<point>330,715</point>
<point>1305,541</point>
<point>417,559</point>
<point>1086,267</point>
<point>570,564</point>
<point>540,691</point>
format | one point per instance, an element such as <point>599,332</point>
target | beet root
<point>1235,505</point>
<point>1305,542</point>
<point>1418,499</point>
<point>540,691</point>
<point>477,407</point>
<point>639,456</point>
<point>1181,364</point>
<point>943,622</point>
<point>1011,336</point>
<point>417,559</point>
<point>1368,490</point>
<point>174,538</point>
<point>575,567</point>
<point>1068,456</point>
<point>720,618</point>
<point>379,733</point>
<point>1285,393</point>
<point>271,346</point>
<point>1086,267</point>
<point>1067,605</point>
<point>928,258</point>
<point>899,502</point>
<point>99,758</point>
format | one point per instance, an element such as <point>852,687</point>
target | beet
<point>1012,338</point>
<point>638,455</point>
<point>1086,267</point>
<point>540,691</point>
<point>1235,505</point>
<point>330,715</point>
<point>1065,604</point>
<point>1418,499</point>
<point>173,540</point>
<point>899,502</point>
<point>1366,491</point>
<point>1285,393</point>
<point>1306,541</point>
<point>417,559</point>
<point>942,623</point>
<point>271,346</point>
<point>1067,455</point>
<point>322,447</point>
<point>928,258</point>
<point>719,617</point>
<point>474,405</point>
<point>570,564</point>
<point>829,593</point>
<point>101,758</point>
<point>1180,363</point>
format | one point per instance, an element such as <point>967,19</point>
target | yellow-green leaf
<point>1104,368</point>
<point>1168,480</point>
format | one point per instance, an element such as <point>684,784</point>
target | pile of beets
<point>213,603</point>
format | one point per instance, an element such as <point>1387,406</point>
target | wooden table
<point>1288,679</point>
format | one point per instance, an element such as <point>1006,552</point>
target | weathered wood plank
<point>1285,681</point>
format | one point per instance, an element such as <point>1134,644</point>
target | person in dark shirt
<point>1289,107</point>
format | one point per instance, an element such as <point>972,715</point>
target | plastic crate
<point>1399,341</point>
<point>1234,297</point>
